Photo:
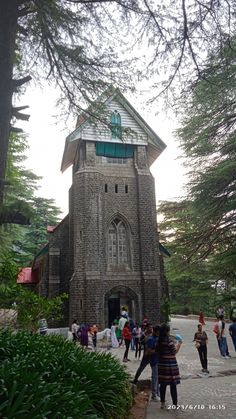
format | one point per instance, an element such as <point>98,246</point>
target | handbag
<point>197,345</point>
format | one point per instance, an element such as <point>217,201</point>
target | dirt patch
<point>139,407</point>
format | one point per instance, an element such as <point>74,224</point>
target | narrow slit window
<point>126,189</point>
<point>106,188</point>
<point>116,188</point>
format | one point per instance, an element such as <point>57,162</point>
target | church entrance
<point>116,299</point>
<point>113,309</point>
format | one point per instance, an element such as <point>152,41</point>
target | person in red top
<point>127,336</point>
<point>201,318</point>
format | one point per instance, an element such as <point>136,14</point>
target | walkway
<point>201,396</point>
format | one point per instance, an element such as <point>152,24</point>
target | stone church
<point>105,253</point>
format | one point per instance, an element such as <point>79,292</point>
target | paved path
<point>201,396</point>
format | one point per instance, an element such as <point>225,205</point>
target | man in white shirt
<point>121,326</point>
<point>222,339</point>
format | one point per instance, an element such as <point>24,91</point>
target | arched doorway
<point>117,298</point>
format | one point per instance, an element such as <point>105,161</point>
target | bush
<point>49,377</point>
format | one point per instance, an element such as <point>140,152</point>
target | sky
<point>46,137</point>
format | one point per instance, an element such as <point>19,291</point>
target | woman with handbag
<point>168,370</point>
<point>201,340</point>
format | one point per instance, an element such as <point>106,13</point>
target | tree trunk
<point>8,30</point>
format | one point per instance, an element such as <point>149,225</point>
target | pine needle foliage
<point>202,228</point>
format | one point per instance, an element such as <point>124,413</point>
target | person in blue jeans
<point>151,349</point>
<point>232,331</point>
<point>146,357</point>
<point>222,339</point>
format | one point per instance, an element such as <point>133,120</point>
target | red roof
<point>27,276</point>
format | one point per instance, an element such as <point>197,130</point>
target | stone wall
<point>77,258</point>
<point>100,192</point>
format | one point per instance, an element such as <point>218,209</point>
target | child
<point>94,339</point>
<point>74,330</point>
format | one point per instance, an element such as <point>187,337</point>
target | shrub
<point>30,307</point>
<point>49,377</point>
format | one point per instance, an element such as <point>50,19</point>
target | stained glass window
<point>116,131</point>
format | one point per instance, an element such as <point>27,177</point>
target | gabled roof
<point>155,144</point>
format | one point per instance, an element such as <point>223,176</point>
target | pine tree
<point>83,46</point>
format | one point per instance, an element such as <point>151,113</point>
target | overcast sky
<point>47,139</point>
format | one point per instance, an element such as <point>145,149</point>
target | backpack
<point>216,328</point>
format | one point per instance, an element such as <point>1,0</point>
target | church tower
<point>113,239</point>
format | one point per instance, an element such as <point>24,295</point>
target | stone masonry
<point>105,253</point>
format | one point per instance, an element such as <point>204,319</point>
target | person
<point>146,356</point>
<point>94,340</point>
<point>74,330</point>
<point>126,334</point>
<point>93,332</point>
<point>118,331</point>
<point>145,322</point>
<point>151,350</point>
<point>222,338</point>
<point>114,340</point>
<point>168,370</point>
<point>232,331</point>
<point>201,340</point>
<point>220,311</point>
<point>124,312</point>
<point>136,334</point>
<point>201,318</point>
<point>83,335</point>
<point>131,326</point>
<point>121,325</point>
<point>216,331</point>
<point>43,327</point>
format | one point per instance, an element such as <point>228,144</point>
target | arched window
<point>117,243</point>
<point>116,125</point>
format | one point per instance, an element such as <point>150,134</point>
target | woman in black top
<point>201,339</point>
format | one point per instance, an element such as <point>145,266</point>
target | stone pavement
<point>200,396</point>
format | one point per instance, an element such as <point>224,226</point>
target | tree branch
<point>18,115</point>
<point>20,82</point>
<point>15,129</point>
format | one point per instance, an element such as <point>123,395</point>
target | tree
<point>75,44</point>
<point>34,236</point>
<point>29,306</point>
<point>190,281</point>
<point>202,228</point>
<point>21,184</point>
<point>19,243</point>
<point>207,138</point>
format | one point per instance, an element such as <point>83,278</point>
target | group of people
<point>219,328</point>
<point>80,333</point>
<point>159,348</point>
<point>127,331</point>
<point>159,352</point>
